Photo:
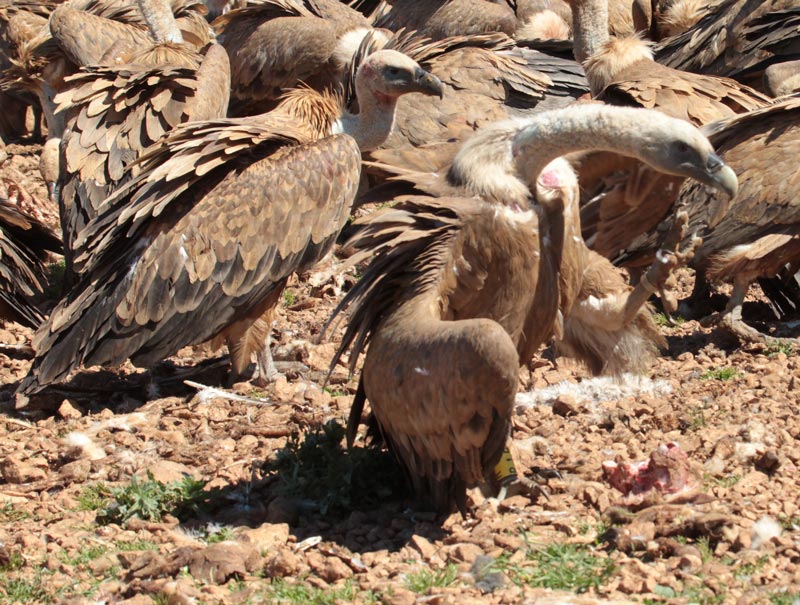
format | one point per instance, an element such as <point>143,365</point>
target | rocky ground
<point>132,487</point>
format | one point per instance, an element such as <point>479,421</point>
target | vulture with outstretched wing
<point>466,283</point>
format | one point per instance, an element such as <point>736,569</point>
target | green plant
<point>700,594</point>
<point>55,279</point>
<point>15,561</point>
<point>151,500</point>
<point>9,513</point>
<point>289,298</point>
<point>281,592</point>
<point>726,482</point>
<point>721,374</point>
<point>85,555</point>
<point>134,545</point>
<point>746,570</point>
<point>663,321</point>
<point>24,590</point>
<point>705,548</point>
<point>425,579</point>
<point>784,597</point>
<point>318,469</point>
<point>334,392</point>
<point>93,496</point>
<point>779,347</point>
<point>213,533</point>
<point>560,567</point>
<point>697,420</point>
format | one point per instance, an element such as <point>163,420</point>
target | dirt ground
<point>284,517</point>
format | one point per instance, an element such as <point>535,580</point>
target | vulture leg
<point>699,297</point>
<point>732,320</point>
<point>266,370</point>
<point>246,337</point>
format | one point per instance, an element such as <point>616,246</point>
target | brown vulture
<point>277,44</point>
<point>738,39</point>
<point>201,241</point>
<point>621,71</point>
<point>468,281</point>
<point>758,235</point>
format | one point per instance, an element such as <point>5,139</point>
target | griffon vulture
<point>277,44</point>
<point>466,283</point>
<point>201,241</point>
<point>621,71</point>
<point>759,233</point>
<point>738,39</point>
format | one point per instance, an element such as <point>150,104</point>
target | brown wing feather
<point>737,38</point>
<point>695,98</point>
<point>163,280</point>
<point>114,113</point>
<point>24,244</point>
<point>85,37</point>
<point>760,146</point>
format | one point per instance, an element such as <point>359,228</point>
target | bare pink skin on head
<point>666,472</point>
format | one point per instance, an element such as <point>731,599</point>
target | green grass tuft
<point>94,497</point>
<point>721,374</point>
<point>289,298</point>
<point>9,513</point>
<point>561,567</point>
<point>281,592</point>
<point>425,579</point>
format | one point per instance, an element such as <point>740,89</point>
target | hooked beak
<point>719,175</point>
<point>426,83</point>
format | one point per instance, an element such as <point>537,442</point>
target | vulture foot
<point>731,319</point>
<point>266,371</point>
<point>671,256</point>
<point>748,334</point>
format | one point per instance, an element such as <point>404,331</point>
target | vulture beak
<point>719,175</point>
<point>426,83</point>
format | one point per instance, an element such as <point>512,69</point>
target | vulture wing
<point>737,38</point>
<point>696,99</point>
<point>277,44</point>
<point>24,243</point>
<point>221,214</point>
<point>114,113</point>
<point>765,214</point>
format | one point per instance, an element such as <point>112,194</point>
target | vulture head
<point>667,144</point>
<point>387,74</point>
<point>380,80</point>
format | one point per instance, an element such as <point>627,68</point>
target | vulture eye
<point>393,71</point>
<point>682,147</point>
